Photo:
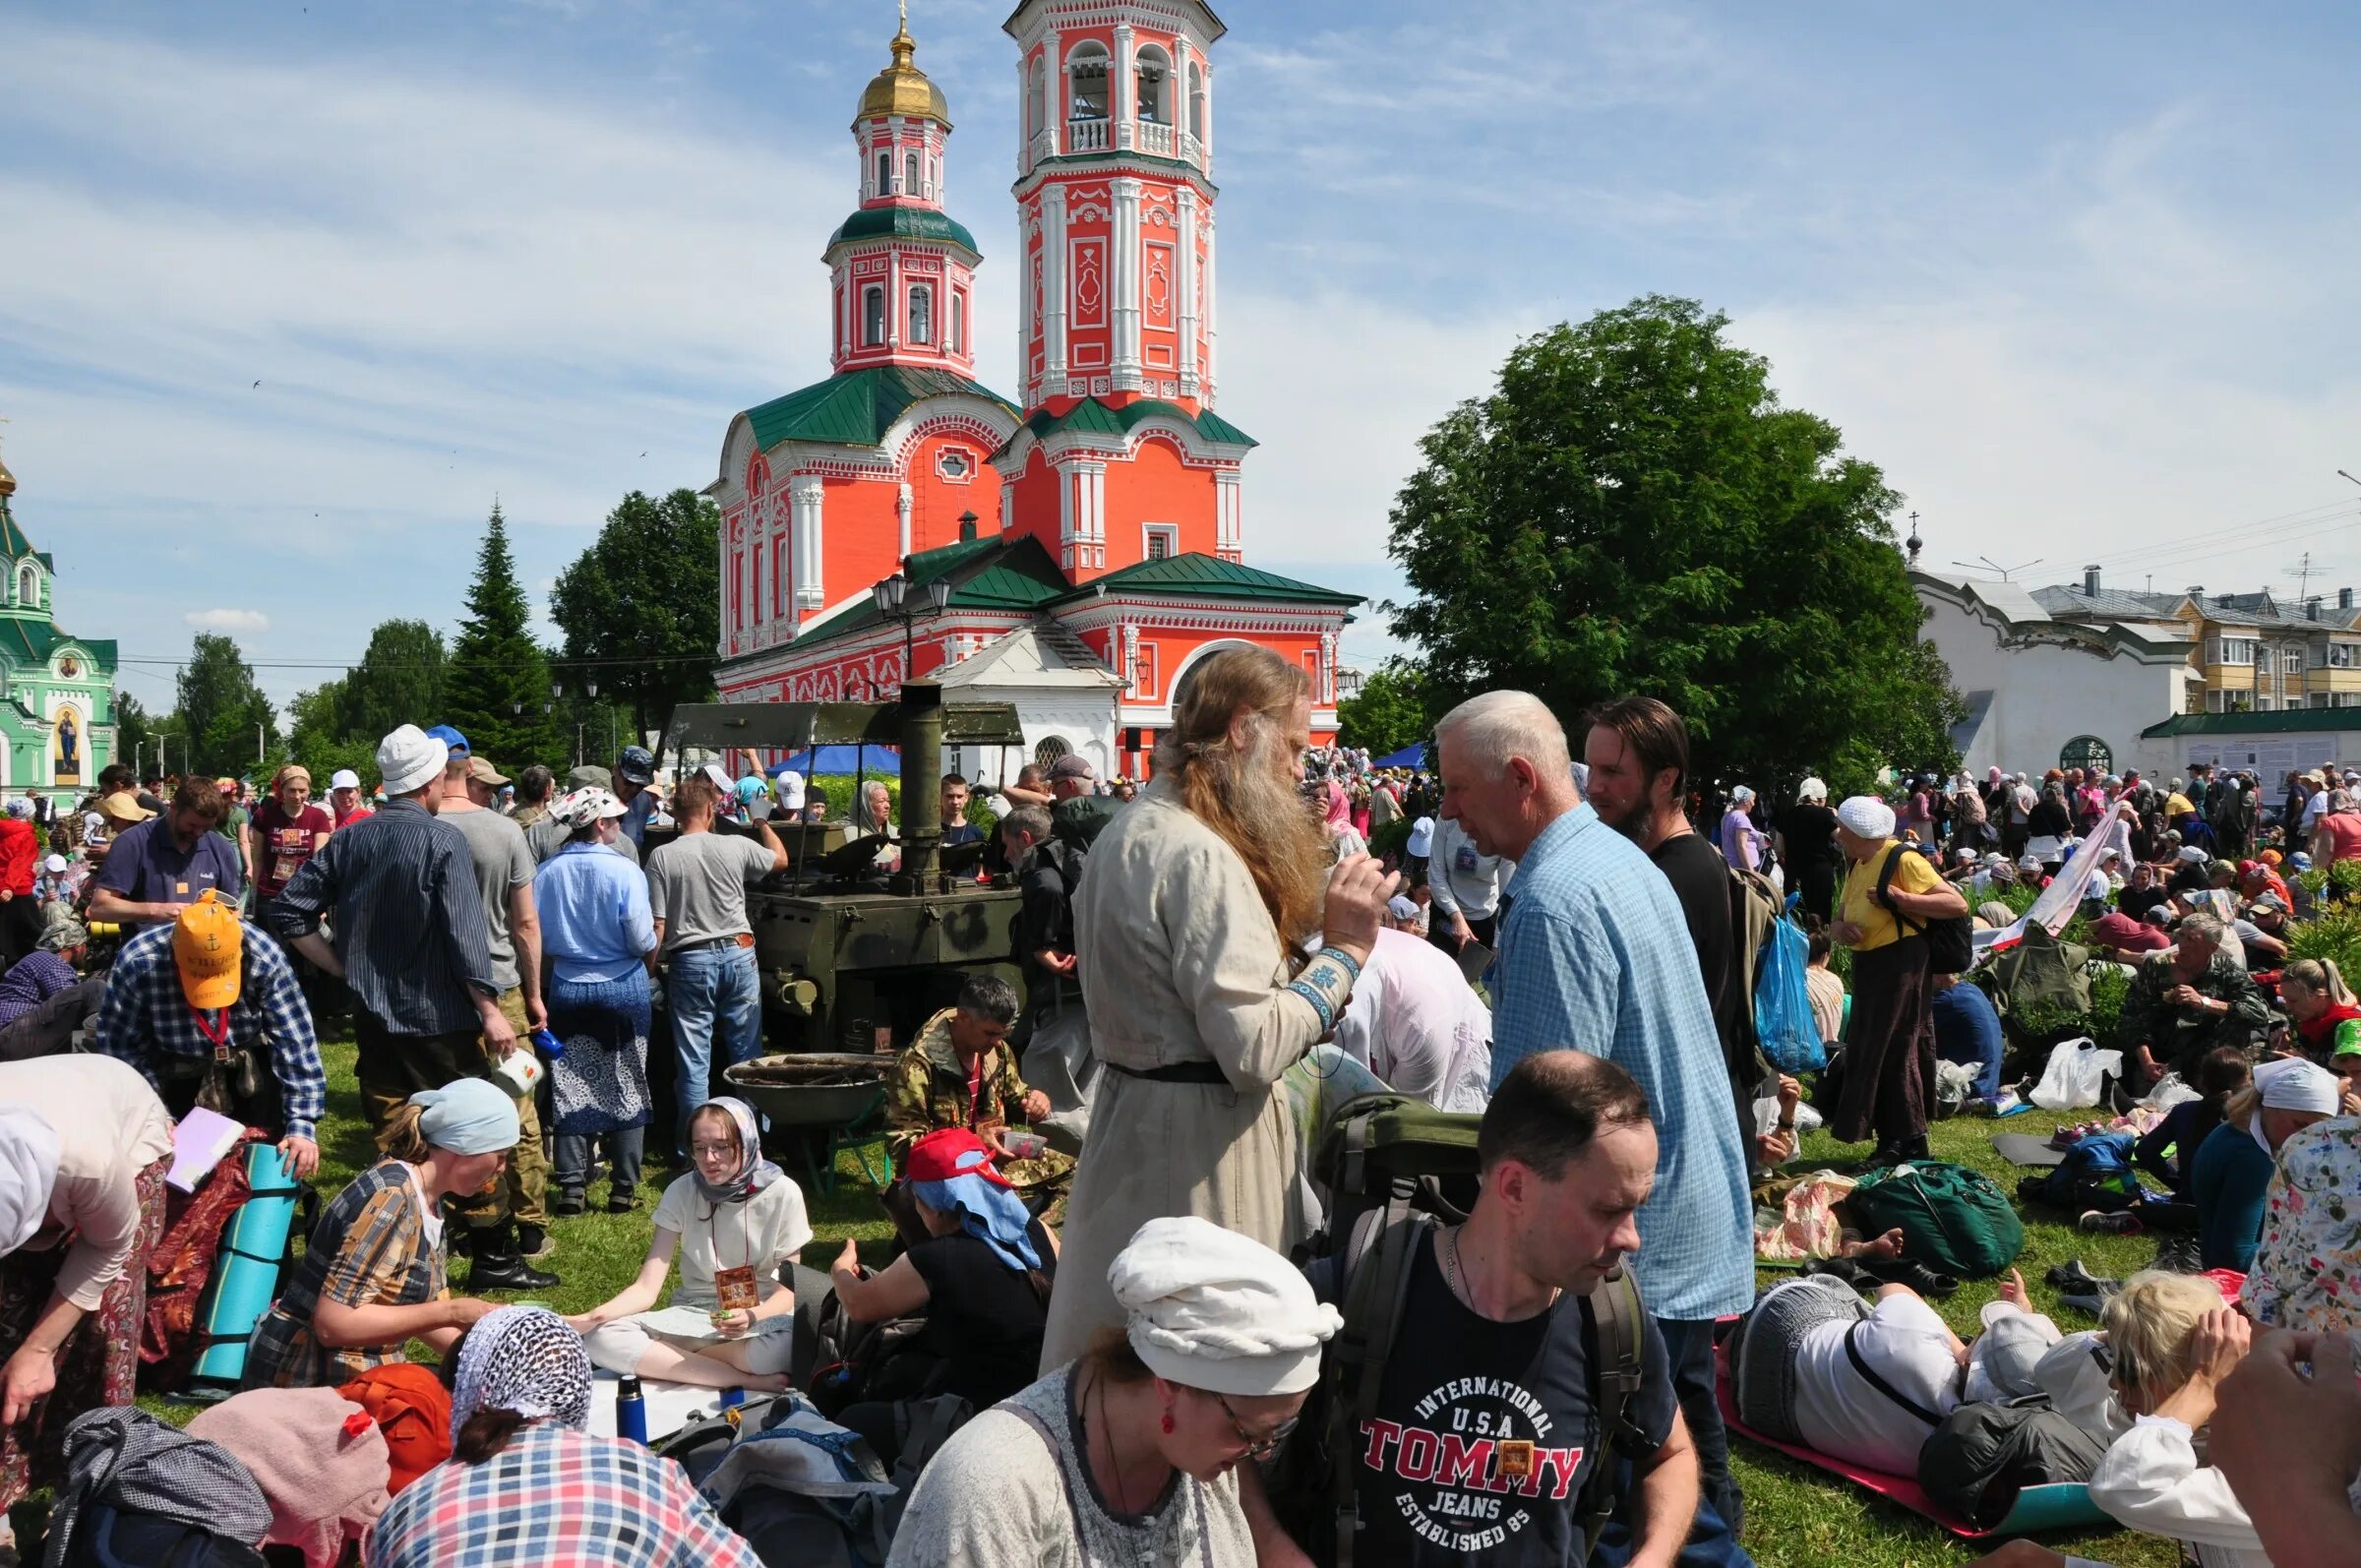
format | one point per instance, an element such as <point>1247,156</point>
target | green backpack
<point>1953,1220</point>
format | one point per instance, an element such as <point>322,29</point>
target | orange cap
<point>208,944</point>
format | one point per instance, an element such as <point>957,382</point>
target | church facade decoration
<point>57,717</point>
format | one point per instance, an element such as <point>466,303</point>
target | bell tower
<point>901,269</point>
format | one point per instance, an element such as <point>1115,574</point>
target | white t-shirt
<point>766,1230</point>
<point>1840,1413</point>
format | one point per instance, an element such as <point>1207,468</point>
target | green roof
<point>39,639</point>
<point>13,545</point>
<point>2287,721</point>
<point>902,223</point>
<point>993,572</point>
<point>1205,576</point>
<point>857,408</point>
<point>1093,417</point>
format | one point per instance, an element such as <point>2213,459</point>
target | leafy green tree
<point>641,608</point>
<point>1389,714</point>
<point>496,687</point>
<point>231,727</point>
<point>135,732</point>
<point>398,680</point>
<point>1632,511</point>
<point>319,740</point>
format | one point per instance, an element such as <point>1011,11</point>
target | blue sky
<point>2079,278</point>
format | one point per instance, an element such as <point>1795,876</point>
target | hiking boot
<point>2180,1254</point>
<point>2072,1279</point>
<point>570,1204</point>
<point>499,1267</point>
<point>2124,1224</point>
<point>532,1241</point>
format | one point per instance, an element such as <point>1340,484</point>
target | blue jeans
<point>714,991</point>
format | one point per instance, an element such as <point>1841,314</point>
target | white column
<point>1093,522</point>
<point>1184,285</point>
<point>1124,91</point>
<point>1052,288</point>
<point>1212,316</point>
<point>1226,496</point>
<point>721,618</point>
<point>1024,109</point>
<point>1127,285</point>
<point>893,300</point>
<point>1328,666</point>
<point>1067,511</point>
<point>901,516</point>
<point>1025,328</point>
<point>1008,503</point>
<point>1206,147</point>
<point>804,493</point>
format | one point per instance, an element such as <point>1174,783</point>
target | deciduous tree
<point>231,727</point>
<point>1389,714</point>
<point>398,680</point>
<point>640,609</point>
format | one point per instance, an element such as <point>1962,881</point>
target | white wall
<point>2044,696</point>
<point>1084,720</point>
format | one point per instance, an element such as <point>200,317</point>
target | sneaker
<point>2123,1224</point>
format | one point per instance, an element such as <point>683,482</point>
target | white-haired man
<point>1596,957</point>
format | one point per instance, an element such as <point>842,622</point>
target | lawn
<point>1795,1517</point>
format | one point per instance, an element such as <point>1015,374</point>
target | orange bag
<point>411,1406</point>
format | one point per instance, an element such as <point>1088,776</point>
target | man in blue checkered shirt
<point>1595,955</point>
<point>211,984</point>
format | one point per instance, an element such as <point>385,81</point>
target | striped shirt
<point>145,1015</point>
<point>1596,957</point>
<point>409,921</point>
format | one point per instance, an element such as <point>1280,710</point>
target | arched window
<point>910,185</point>
<point>957,342</point>
<point>921,314</point>
<point>873,317</point>
<point>1154,72</point>
<point>1036,91</point>
<point>1196,101</point>
<point>884,175</point>
<point>1088,97</point>
<point>1050,750</point>
<point>28,586</point>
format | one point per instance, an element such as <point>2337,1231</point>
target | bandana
<point>753,1173</point>
<point>526,1359</point>
<point>470,1115</point>
<point>951,1172</point>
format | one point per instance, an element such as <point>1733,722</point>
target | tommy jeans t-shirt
<point>1485,1431</point>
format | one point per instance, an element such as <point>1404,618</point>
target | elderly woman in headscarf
<point>738,1222</point>
<point>372,1275</point>
<point>1807,847</point>
<point>1741,841</point>
<point>83,1147</point>
<point>1131,1453</point>
<point>982,1278</point>
<point>1889,1064</point>
<point>528,1483</point>
<point>2234,1170</point>
<point>596,933</point>
<point>1336,815</point>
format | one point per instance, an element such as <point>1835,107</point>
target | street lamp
<point>894,603</point>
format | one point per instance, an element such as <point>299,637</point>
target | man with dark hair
<point>956,829</point>
<point>153,870</point>
<point>1045,918</point>
<point>533,787</point>
<point>960,1072</point>
<point>1486,1427</point>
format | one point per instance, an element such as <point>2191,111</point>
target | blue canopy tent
<point>1408,757</point>
<point>814,760</point>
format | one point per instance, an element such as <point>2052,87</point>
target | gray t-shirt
<point>503,864</point>
<point>696,885</point>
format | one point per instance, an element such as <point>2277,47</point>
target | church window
<point>1196,101</point>
<point>28,586</point>
<point>922,315</point>
<point>873,317</point>
<point>957,342</point>
<point>1088,99</point>
<point>1155,68</point>
<point>910,174</point>
<point>1034,92</point>
<point>1161,540</point>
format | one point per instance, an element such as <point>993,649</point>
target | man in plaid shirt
<point>212,986</point>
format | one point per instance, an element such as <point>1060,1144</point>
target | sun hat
<point>208,948</point>
<point>468,1115</point>
<point>344,778</point>
<point>1421,837</point>
<point>589,775</point>
<point>1210,1310</point>
<point>409,759</point>
<point>2348,1039</point>
<point>1867,817</point>
<point>480,771</point>
<point>123,807</point>
<point>635,765</point>
<point>1812,789</point>
<point>451,738</point>
<point>578,809</point>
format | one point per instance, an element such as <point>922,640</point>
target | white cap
<point>789,788</point>
<point>1211,1310</point>
<point>1422,836</point>
<point>1868,816</point>
<point>1401,908</point>
<point>344,778</point>
<point>409,758</point>
<point>54,864</point>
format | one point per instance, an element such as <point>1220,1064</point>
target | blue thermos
<point>631,1412</point>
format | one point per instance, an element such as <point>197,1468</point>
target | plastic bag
<point>1783,1024</point>
<point>2169,1092</point>
<point>2076,1076</point>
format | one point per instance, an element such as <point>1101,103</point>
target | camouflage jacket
<point>929,1090</point>
<point>2176,1035</point>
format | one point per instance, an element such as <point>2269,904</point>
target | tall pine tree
<point>495,686</point>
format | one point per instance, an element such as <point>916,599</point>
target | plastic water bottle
<point>548,1042</point>
<point>631,1412</point>
<point>731,1397</point>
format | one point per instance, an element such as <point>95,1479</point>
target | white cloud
<point>229,620</point>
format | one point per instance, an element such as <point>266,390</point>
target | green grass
<point>1796,1517</point>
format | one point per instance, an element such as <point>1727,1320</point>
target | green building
<point>57,692</point>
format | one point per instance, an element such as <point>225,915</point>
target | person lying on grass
<point>738,1222</point>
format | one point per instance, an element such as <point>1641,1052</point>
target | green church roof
<point>1204,577</point>
<point>39,639</point>
<point>857,408</point>
<point>2284,721</point>
<point>987,573</point>
<point>902,223</point>
<point>1093,417</point>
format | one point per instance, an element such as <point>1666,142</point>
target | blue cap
<point>635,765</point>
<point>451,738</point>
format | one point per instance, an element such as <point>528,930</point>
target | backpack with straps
<point>1949,939</point>
<point>1394,1166</point>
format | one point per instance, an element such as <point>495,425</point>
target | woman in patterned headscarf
<point>527,1481</point>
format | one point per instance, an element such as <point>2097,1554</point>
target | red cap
<point>950,1152</point>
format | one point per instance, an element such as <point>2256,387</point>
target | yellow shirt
<point>1914,874</point>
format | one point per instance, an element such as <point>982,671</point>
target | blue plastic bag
<point>1783,1002</point>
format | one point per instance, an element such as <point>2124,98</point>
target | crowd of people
<point>1548,935</point>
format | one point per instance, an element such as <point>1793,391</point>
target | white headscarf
<point>526,1359</point>
<point>28,1157</point>
<point>1211,1310</point>
<point>1868,816</point>
<point>2290,1085</point>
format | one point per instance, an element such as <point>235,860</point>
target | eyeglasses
<point>1257,1447</point>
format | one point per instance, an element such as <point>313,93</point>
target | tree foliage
<point>323,741</point>
<point>643,602</point>
<point>136,730</point>
<point>223,712</point>
<point>1389,714</point>
<point>495,686</point>
<point>398,680</point>
<point>1631,510</point>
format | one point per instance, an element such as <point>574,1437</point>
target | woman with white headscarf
<point>1131,1453</point>
<point>526,1481</point>
<point>372,1275</point>
<point>1741,841</point>
<point>1807,848</point>
<point>83,1147</point>
<point>1889,1063</point>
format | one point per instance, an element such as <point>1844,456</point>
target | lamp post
<point>894,603</point>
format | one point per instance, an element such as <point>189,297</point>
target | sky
<point>290,293</point>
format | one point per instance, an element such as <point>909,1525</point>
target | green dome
<point>903,223</point>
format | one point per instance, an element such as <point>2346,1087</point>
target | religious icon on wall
<point>68,766</point>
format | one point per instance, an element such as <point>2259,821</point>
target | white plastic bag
<point>2076,1076</point>
<point>2169,1092</point>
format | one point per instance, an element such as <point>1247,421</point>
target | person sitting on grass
<point>2232,1172</point>
<point>2168,1152</point>
<point>738,1222</point>
<point>2313,992</point>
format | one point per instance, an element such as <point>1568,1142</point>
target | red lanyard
<point>216,1031</point>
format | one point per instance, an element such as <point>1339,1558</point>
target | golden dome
<point>8,481</point>
<point>903,89</point>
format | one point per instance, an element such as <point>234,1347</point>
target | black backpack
<point>1949,939</point>
<point>1392,1167</point>
<point>1980,1456</point>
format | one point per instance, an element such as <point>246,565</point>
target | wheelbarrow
<point>823,1103</point>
